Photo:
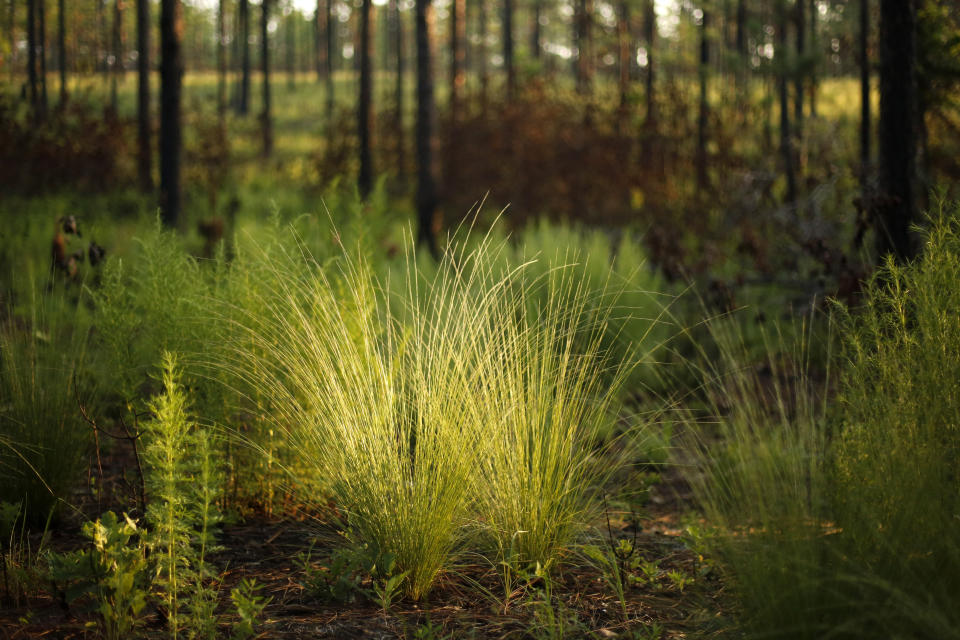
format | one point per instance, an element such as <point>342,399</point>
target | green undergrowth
<point>839,520</point>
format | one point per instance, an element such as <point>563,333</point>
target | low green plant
<point>249,606</point>
<point>114,574</point>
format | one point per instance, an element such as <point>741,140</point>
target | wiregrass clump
<point>433,407</point>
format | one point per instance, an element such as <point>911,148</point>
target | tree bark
<point>650,36</point>
<point>484,54</point>
<point>814,51</point>
<point>897,207</point>
<point>865,126</point>
<point>397,37</point>
<point>702,112</point>
<point>786,143</point>
<point>266,122</point>
<point>291,46</point>
<point>221,60</point>
<point>12,37</point>
<point>318,48</point>
<point>365,179</point>
<point>426,187</point>
<point>244,19</point>
<point>582,21</point>
<point>171,77</point>
<point>457,42</point>
<point>33,87</point>
<point>508,49</point>
<point>623,38</point>
<point>42,19</point>
<point>116,65</point>
<point>144,160</point>
<point>800,73</point>
<point>331,51</point>
<point>62,49</point>
<point>535,33</point>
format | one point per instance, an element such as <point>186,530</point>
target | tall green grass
<point>43,350</point>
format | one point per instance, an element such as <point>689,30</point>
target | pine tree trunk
<point>650,36</point>
<point>221,60</point>
<point>865,126</point>
<point>582,25</point>
<point>291,62</point>
<point>62,49</point>
<point>42,19</point>
<point>365,180</point>
<point>484,54</point>
<point>624,46</point>
<point>32,80</point>
<point>171,77</point>
<point>397,39</point>
<point>426,188</point>
<point>331,52</point>
<point>535,33</point>
<point>508,48</point>
<point>800,74</point>
<point>144,160</point>
<point>702,112</point>
<point>318,48</point>
<point>244,18</point>
<point>786,144</point>
<point>813,50</point>
<point>897,206</point>
<point>266,122</point>
<point>457,42</point>
<point>116,54</point>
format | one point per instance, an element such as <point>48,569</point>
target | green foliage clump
<point>897,457</point>
<point>843,522</point>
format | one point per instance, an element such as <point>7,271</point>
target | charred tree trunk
<point>623,41</point>
<point>221,60</point>
<point>812,79</point>
<point>457,42</point>
<point>786,139</point>
<point>365,179</point>
<point>702,111</point>
<point>171,76</point>
<point>397,38</point>
<point>62,49</point>
<point>116,65</point>
<point>144,161</point>
<point>243,16</point>
<point>897,206</point>
<point>331,51</point>
<point>484,54</point>
<point>582,27</point>
<point>650,37</point>
<point>800,72</point>
<point>291,46</point>
<point>42,42</point>
<point>535,33</point>
<point>426,187</point>
<point>266,121</point>
<point>865,126</point>
<point>508,49</point>
<point>33,83</point>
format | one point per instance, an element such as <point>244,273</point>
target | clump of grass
<point>43,350</point>
<point>425,405</point>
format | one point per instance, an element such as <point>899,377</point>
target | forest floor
<point>468,601</point>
